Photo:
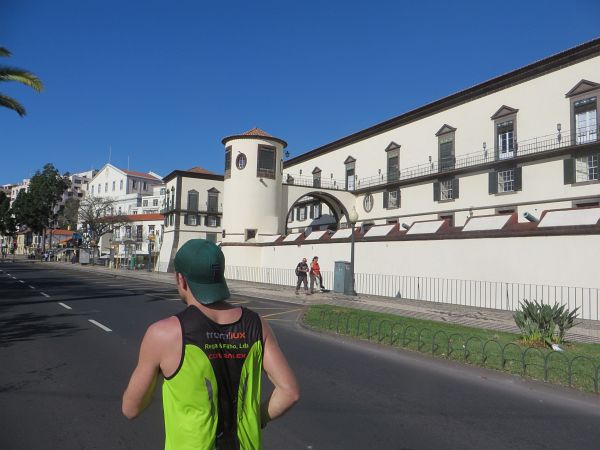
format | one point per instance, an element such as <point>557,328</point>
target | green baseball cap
<point>202,263</point>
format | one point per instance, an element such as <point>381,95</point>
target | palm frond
<point>4,52</point>
<point>21,76</point>
<point>11,103</point>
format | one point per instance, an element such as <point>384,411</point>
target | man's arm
<point>286,392</point>
<point>138,394</point>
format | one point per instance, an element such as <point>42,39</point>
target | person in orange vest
<point>315,274</point>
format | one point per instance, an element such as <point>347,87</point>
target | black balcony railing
<point>540,144</point>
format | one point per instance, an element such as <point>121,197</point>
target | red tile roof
<point>198,169</point>
<point>144,217</point>
<point>60,232</point>
<point>140,174</point>
<point>257,132</point>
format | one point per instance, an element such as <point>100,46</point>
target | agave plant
<point>538,322</point>
<point>20,76</point>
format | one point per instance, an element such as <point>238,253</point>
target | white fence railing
<point>482,294</point>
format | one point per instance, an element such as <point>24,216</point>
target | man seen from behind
<point>211,356</point>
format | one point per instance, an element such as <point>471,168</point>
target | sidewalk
<point>588,331</point>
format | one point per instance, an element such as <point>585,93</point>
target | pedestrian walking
<point>302,274</point>
<point>315,274</point>
<point>211,355</point>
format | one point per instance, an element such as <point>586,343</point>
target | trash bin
<point>342,278</point>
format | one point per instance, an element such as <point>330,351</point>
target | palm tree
<point>20,76</point>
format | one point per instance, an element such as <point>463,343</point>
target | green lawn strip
<point>487,348</point>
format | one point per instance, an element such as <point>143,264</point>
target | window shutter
<point>385,199</point>
<point>455,188</point>
<point>569,170</point>
<point>436,191</point>
<point>218,221</point>
<point>518,178</point>
<point>493,182</point>
<point>398,196</point>
<point>205,221</point>
<point>185,219</point>
<point>298,214</point>
<point>311,209</point>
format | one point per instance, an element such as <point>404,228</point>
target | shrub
<point>540,322</point>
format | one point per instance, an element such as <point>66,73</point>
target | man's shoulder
<point>164,329</point>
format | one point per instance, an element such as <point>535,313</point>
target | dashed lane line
<point>44,294</point>
<point>21,281</point>
<point>64,306</point>
<point>30,286</point>
<point>99,325</point>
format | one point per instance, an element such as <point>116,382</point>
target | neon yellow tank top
<point>212,401</point>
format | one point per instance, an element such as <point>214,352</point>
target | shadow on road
<point>29,326</point>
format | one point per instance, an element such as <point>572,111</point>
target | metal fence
<point>539,144</point>
<point>573,370</point>
<point>482,294</point>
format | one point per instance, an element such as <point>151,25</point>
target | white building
<point>126,187</point>
<point>138,242</point>
<point>441,191</point>
<point>23,186</point>
<point>193,209</point>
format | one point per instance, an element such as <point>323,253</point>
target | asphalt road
<point>62,375</point>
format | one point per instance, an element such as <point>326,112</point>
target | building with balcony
<point>193,208</point>
<point>496,183</point>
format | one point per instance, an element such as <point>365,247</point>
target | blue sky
<point>162,82</point>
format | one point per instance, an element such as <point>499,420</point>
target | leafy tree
<point>20,76</point>
<point>37,207</point>
<point>7,222</point>
<point>68,216</point>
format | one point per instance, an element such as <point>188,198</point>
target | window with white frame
<point>586,168</point>
<point>391,198</point>
<point>133,184</point>
<point>117,232</point>
<point>446,190</point>
<point>301,213</point>
<point>212,221</point>
<point>114,185</point>
<point>192,219</point>
<point>154,202</point>
<point>505,136</point>
<point>506,180</point>
<point>145,186</point>
<point>120,185</point>
<point>128,232</point>
<point>586,120</point>
<point>145,203</point>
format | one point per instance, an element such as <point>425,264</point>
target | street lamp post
<point>353,218</point>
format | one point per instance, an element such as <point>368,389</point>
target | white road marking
<point>64,306</point>
<point>44,294</point>
<point>282,312</point>
<point>99,325</point>
<point>21,281</point>
<point>30,286</point>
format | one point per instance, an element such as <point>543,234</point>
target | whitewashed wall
<point>545,260</point>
